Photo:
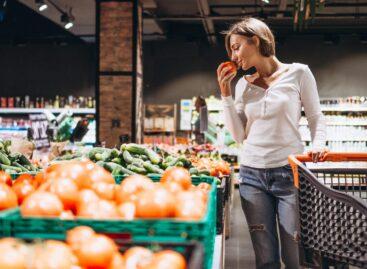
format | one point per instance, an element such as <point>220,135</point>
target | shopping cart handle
<point>335,157</point>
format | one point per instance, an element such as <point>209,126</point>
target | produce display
<point>82,189</point>
<point>135,159</point>
<point>13,163</point>
<point>85,249</point>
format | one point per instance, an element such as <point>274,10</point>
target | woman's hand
<point>318,154</point>
<point>225,74</point>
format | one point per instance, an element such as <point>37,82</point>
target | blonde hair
<point>250,27</point>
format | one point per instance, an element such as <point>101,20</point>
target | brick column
<point>119,70</point>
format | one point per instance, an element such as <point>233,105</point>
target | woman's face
<point>244,51</point>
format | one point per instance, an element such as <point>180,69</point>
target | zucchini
<point>136,169</point>
<point>4,159</point>
<point>152,168</point>
<point>127,157</point>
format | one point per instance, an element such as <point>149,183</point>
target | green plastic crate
<point>162,230</point>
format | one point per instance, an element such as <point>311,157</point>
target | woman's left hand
<point>318,154</point>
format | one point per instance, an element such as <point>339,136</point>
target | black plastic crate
<point>221,202</point>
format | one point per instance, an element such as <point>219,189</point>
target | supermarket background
<point>129,71</point>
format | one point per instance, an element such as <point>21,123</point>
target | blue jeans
<point>269,201</point>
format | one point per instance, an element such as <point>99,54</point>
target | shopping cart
<point>332,211</point>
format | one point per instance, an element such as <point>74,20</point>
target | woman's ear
<point>256,41</point>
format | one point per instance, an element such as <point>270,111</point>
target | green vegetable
<point>21,167</point>
<point>193,171</point>
<point>136,169</point>
<point>115,153</point>
<point>94,151</point>
<point>127,157</point>
<point>116,160</point>
<point>4,167</point>
<point>135,148</point>
<point>180,164</point>
<point>153,156</point>
<point>204,172</point>
<point>4,159</point>
<point>152,168</point>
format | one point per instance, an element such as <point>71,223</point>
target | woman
<point>264,117</point>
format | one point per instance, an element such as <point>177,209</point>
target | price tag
<point>39,126</point>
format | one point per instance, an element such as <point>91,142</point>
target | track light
<point>67,20</point>
<point>41,4</point>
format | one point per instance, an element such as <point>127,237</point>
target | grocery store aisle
<point>239,253</point>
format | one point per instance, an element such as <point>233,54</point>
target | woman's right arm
<point>234,115</point>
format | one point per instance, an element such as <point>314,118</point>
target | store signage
<point>39,125</point>
<point>185,114</point>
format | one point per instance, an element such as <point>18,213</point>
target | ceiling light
<point>41,4</point>
<point>67,20</point>
<point>266,1</point>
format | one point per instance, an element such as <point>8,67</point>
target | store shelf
<point>13,129</point>
<point>345,108</point>
<point>340,140</point>
<point>40,110</point>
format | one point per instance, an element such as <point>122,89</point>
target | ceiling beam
<point>208,23</point>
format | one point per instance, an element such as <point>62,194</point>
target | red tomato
<point>22,189</point>
<point>76,236</point>
<point>131,186</point>
<point>13,254</point>
<point>179,175</point>
<point>189,206</point>
<point>167,259</point>
<point>118,262</point>
<point>96,252</point>
<point>67,190</point>
<point>8,198</point>
<point>156,203</point>
<point>5,178</point>
<point>104,190</point>
<point>138,257</point>
<point>41,203</point>
<point>127,210</point>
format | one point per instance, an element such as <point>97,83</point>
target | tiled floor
<point>239,252</point>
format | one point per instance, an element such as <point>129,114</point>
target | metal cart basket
<point>332,211</point>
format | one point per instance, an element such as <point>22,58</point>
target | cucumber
<point>180,164</point>
<point>152,168</point>
<point>116,160</point>
<point>94,151</point>
<point>98,156</point>
<point>24,160</point>
<point>204,172</point>
<point>4,167</point>
<point>20,166</point>
<point>100,163</point>
<point>153,156</point>
<point>138,162</point>
<point>127,157</point>
<point>115,153</point>
<point>138,170</point>
<point>106,155</point>
<point>116,168</point>
<point>135,148</point>
<point>193,171</point>
<point>169,158</point>
<point>4,159</point>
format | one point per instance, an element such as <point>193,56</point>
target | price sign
<point>185,114</point>
<point>39,125</point>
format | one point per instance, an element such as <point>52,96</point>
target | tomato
<point>131,186</point>
<point>173,187</point>
<point>86,197</point>
<point>8,198</point>
<point>156,203</point>
<point>231,65</point>
<point>26,177</point>
<point>179,175</point>
<point>96,252</point>
<point>67,215</point>
<point>22,189</point>
<point>167,259</point>
<point>67,190</point>
<point>138,257</point>
<point>101,209</point>
<point>41,203</point>
<point>118,262</point>
<point>127,210</point>
<point>5,178</point>
<point>76,236</point>
<point>53,254</point>
<point>104,190</point>
<point>39,178</point>
<point>13,254</point>
<point>204,186</point>
<point>189,206</point>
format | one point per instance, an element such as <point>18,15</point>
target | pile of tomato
<point>82,189</point>
<point>83,249</point>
